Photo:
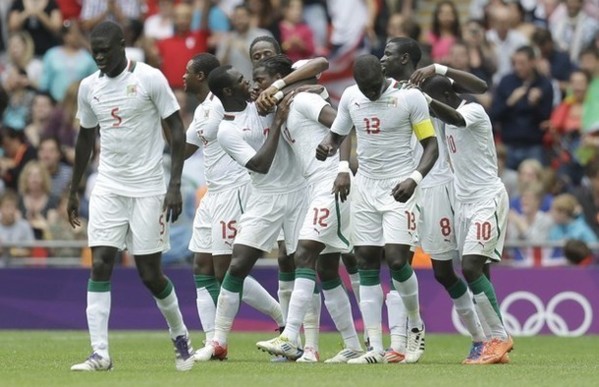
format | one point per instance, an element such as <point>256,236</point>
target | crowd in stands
<point>539,58</point>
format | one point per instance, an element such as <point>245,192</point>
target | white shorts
<point>135,223</point>
<point>377,218</point>
<point>436,230</point>
<point>216,221</point>
<point>327,220</point>
<point>481,226</point>
<point>267,214</point>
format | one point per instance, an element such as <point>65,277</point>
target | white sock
<point>312,322</point>
<point>337,303</point>
<point>465,308</point>
<point>371,304</point>
<point>226,310</point>
<point>169,307</point>
<point>284,295</point>
<point>258,298</point>
<point>398,321</point>
<point>408,290</point>
<point>301,299</point>
<point>490,316</point>
<point>206,312</point>
<point>483,322</point>
<point>355,285</point>
<point>98,312</point>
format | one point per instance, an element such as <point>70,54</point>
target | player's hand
<point>421,74</point>
<point>266,100</point>
<point>341,186</point>
<point>324,150</point>
<point>404,190</point>
<point>173,204</point>
<point>73,210</point>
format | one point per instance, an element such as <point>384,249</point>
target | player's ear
<point>201,76</point>
<point>405,58</point>
<point>227,91</point>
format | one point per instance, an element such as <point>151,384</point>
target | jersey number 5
<point>372,125</point>
<point>116,117</point>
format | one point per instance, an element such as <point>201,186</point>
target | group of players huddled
<point>277,169</point>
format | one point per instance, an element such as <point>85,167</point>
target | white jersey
<point>441,172</point>
<point>303,133</point>
<point>128,109</point>
<point>220,169</point>
<point>473,156</point>
<point>242,134</point>
<point>383,128</point>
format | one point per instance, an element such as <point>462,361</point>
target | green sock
<point>482,285</point>
<point>370,277</point>
<point>166,291</point>
<point>331,284</point>
<point>458,289</point>
<point>402,274</point>
<point>210,283</point>
<point>286,276</point>
<point>233,284</point>
<point>98,286</point>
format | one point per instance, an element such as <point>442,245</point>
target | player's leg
<point>286,275</point>
<point>337,303</point>
<point>107,228</point>
<point>351,266</point>
<point>397,320</point>
<point>484,240</point>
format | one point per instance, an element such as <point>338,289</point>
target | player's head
<point>439,87</point>
<point>108,48</point>
<point>263,47</point>
<point>369,77</point>
<point>269,70</point>
<point>401,57</point>
<point>197,70</point>
<point>227,84</point>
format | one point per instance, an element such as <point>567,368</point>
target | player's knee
<point>286,263</point>
<point>471,269</point>
<point>445,277</point>
<point>303,258</point>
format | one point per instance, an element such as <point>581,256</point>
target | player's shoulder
<point>472,108</point>
<point>87,83</point>
<point>144,71</point>
<point>307,98</point>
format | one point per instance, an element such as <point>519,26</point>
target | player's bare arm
<point>262,160</point>
<point>329,145</point>
<point>173,202</point>
<point>463,82</point>
<point>342,183</point>
<point>311,69</point>
<point>86,141</point>
<point>447,114</point>
<point>190,149</point>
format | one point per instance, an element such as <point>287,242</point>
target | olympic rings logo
<point>543,315</point>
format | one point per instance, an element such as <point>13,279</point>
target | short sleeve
<point>343,122</point>
<point>161,94</point>
<point>191,136</point>
<point>85,114</point>
<point>418,108</point>
<point>231,140</point>
<point>309,105</point>
<point>472,113</point>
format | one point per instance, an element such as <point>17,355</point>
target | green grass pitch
<point>43,358</point>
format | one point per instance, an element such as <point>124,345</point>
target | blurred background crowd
<point>540,59</point>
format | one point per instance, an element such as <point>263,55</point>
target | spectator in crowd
<point>66,63</point>
<point>50,157</point>
<point>296,37</point>
<point>41,18</point>
<point>134,44</point>
<point>568,222</point>
<point>481,54</point>
<point>16,153</point>
<point>41,109</point>
<point>532,225</point>
<point>504,39</point>
<point>234,48</point>
<point>589,62</point>
<point>587,195</point>
<point>509,177</point>
<point>177,50</point>
<point>530,172</point>
<point>160,25</point>
<point>578,253</point>
<point>70,9</point>
<point>36,197</point>
<point>93,12</point>
<point>21,60</point>
<point>553,63</point>
<point>519,20</point>
<point>566,127</point>
<point>575,31</point>
<point>264,15</point>
<point>459,59</point>
<point>13,228</point>
<point>315,15</point>
<point>59,229</point>
<point>446,30</point>
<point>521,103</point>
<point>218,21</point>
<point>63,124</point>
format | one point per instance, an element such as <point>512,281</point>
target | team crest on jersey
<point>131,90</point>
<point>390,101</point>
